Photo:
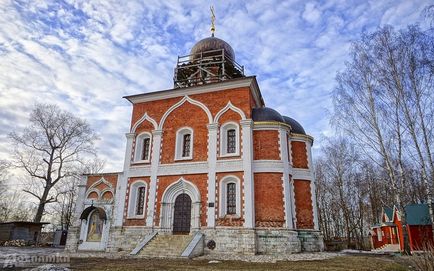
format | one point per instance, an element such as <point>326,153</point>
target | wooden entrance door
<point>182,214</point>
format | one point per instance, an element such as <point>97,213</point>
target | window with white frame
<point>143,148</point>
<point>137,200</point>
<point>184,144</point>
<point>229,139</point>
<point>230,197</point>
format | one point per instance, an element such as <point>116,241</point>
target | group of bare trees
<point>52,152</point>
<point>384,113</point>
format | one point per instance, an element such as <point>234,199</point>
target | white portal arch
<point>168,204</point>
<point>181,102</point>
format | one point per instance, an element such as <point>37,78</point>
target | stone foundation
<point>239,241</point>
<point>277,241</point>
<point>227,240</point>
<point>311,240</point>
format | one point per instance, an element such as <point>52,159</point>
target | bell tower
<point>210,60</point>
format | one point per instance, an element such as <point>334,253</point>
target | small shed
<point>21,230</point>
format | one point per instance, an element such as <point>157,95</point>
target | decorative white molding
<point>249,190</point>
<point>155,161</point>
<point>223,194</point>
<point>132,199</point>
<point>283,143</point>
<point>180,103</point>
<point>268,166</point>
<point>179,143</point>
<point>223,139</point>
<point>142,119</point>
<point>226,108</point>
<point>138,150</point>
<point>100,181</point>
<point>212,165</point>
<point>302,174</point>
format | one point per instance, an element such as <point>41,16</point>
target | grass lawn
<point>344,263</point>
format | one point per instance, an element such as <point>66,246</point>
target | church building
<point>208,169</point>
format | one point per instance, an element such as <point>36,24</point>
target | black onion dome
<point>266,114</point>
<point>210,44</point>
<point>295,126</point>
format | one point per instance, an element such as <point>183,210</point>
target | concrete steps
<point>388,248</point>
<point>164,245</point>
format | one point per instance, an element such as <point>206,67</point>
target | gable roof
<point>417,214</point>
<point>389,213</point>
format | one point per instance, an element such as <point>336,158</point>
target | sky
<point>85,55</point>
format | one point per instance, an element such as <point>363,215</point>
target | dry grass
<point>424,260</point>
<point>347,263</point>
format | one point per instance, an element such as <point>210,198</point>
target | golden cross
<point>212,20</point>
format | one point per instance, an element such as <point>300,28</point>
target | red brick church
<point>208,168</point>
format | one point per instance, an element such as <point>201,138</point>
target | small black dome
<point>209,44</point>
<point>266,114</point>
<point>295,126</point>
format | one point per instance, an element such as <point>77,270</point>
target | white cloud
<point>85,55</point>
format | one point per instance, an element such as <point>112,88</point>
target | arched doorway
<point>182,214</point>
<point>186,197</point>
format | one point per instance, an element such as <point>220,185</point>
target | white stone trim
<point>223,139</point>
<point>168,204</point>
<point>100,181</point>
<point>92,190</point>
<point>226,108</point>
<point>155,161</point>
<point>129,150</point>
<point>249,190</point>
<point>179,143</point>
<point>223,195</point>
<point>139,147</point>
<point>283,143</point>
<point>212,165</point>
<point>142,119</point>
<point>180,103</point>
<point>132,199</point>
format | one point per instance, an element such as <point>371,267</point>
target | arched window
<point>137,200</point>
<point>229,139</point>
<point>95,227</point>
<point>184,144</point>
<point>230,197</point>
<point>143,148</point>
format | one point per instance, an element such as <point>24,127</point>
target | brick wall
<point>303,204</point>
<point>269,210</point>
<point>299,154</point>
<point>266,145</point>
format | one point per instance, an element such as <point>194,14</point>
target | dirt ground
<point>347,263</point>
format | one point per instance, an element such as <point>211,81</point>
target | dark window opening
<point>146,145</point>
<point>186,145</point>
<point>231,200</point>
<point>231,141</point>
<point>140,200</point>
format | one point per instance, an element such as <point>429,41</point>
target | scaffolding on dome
<point>205,67</point>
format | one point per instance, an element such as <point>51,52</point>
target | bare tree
<point>50,149</point>
<point>384,101</point>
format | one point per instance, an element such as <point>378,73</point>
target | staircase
<point>388,248</point>
<point>164,245</point>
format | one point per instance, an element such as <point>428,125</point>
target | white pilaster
<point>121,188</point>
<point>249,189</point>
<point>155,161</point>
<point>286,185</point>
<point>81,196</point>
<point>312,185</point>
<point>212,162</point>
